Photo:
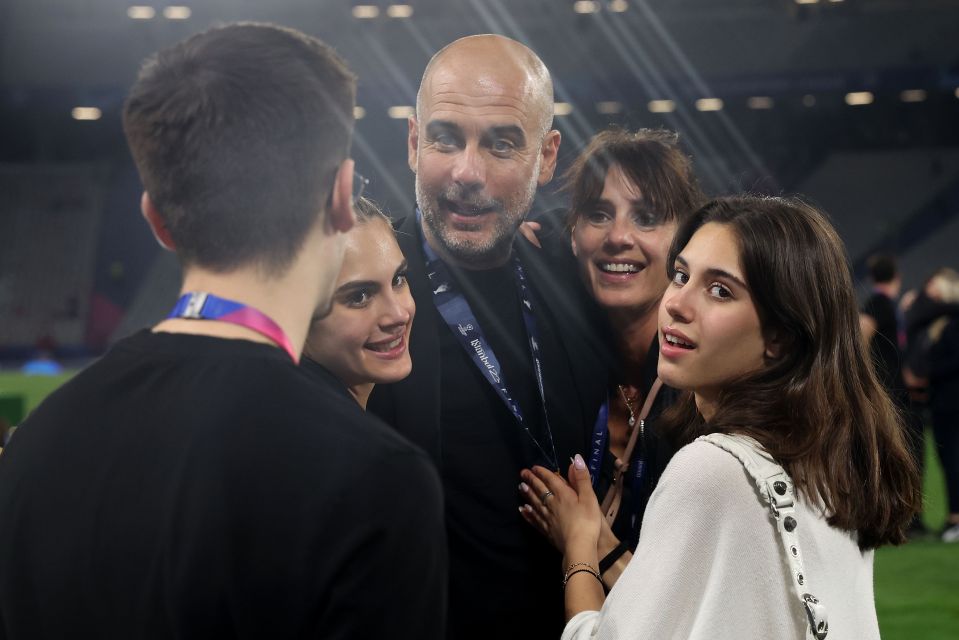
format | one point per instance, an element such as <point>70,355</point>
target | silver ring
<point>545,495</point>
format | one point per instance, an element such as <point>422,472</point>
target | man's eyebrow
<point>434,127</point>
<point>510,131</point>
<point>714,272</point>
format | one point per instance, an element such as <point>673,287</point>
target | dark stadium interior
<point>78,267</point>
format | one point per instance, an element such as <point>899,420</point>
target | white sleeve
<point>701,538</point>
<point>580,626</point>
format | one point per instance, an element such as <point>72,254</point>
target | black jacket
<point>495,587</point>
<point>577,377</point>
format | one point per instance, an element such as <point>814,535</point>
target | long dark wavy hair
<point>818,408</point>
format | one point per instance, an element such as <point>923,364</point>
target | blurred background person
<point>884,331</point>
<point>364,339</point>
<point>933,321</point>
<point>882,324</point>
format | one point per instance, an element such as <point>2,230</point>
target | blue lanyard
<point>456,311</point>
<point>599,442</point>
<point>198,305</point>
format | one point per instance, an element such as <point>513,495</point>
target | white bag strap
<point>776,488</point>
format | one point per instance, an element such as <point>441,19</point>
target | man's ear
<point>156,222</point>
<point>340,217</point>
<point>549,152</point>
<point>412,142</point>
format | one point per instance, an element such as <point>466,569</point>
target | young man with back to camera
<point>195,482</point>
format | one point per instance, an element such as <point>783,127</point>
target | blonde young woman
<point>364,338</point>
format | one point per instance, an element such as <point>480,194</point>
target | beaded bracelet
<point>589,571</point>
<point>586,567</point>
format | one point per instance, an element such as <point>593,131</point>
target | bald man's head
<point>493,58</point>
<point>480,144</point>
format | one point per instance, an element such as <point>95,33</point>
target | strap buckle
<point>816,612</point>
<point>779,493</point>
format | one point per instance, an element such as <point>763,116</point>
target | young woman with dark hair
<point>760,329</point>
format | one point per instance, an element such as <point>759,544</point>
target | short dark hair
<point>818,408</point>
<point>237,133</point>
<point>649,158</point>
<point>882,268</point>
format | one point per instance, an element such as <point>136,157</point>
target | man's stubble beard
<point>493,249</point>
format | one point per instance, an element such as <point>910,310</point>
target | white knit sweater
<point>710,566</point>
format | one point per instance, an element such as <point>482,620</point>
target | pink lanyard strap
<point>198,305</point>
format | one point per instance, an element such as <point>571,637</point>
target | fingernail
<point>523,487</point>
<point>579,463</point>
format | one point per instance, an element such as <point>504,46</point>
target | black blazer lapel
<point>576,374</point>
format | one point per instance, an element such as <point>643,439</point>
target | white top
<point>709,565</point>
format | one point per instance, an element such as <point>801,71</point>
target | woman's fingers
<point>531,516</point>
<point>529,229</point>
<point>535,483</point>
<point>579,475</point>
<point>551,480</point>
<point>534,494</point>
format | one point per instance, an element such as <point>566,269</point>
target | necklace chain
<point>629,402</point>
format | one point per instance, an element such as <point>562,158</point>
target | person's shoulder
<point>708,457</point>
<point>707,473</point>
<point>382,467</point>
<point>319,420</point>
<point>330,409</point>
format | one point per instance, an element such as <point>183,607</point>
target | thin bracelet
<point>576,564</point>
<point>590,571</point>
<point>610,558</point>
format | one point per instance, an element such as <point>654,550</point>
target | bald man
<point>506,371</point>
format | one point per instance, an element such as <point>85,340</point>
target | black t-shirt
<point>194,487</point>
<point>484,449</point>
